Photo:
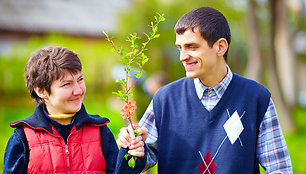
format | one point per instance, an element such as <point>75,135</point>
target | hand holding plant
<point>133,61</point>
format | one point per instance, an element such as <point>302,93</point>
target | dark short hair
<point>212,24</point>
<point>47,65</point>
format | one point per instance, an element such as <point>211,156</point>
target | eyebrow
<point>81,75</point>
<point>64,81</point>
<point>188,44</point>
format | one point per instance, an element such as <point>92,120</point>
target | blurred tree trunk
<point>284,53</point>
<point>254,59</point>
<point>281,70</point>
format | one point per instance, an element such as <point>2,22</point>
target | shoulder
<point>90,119</point>
<point>36,120</point>
<point>253,91</point>
<point>172,87</point>
<point>82,118</point>
<point>16,139</point>
<point>249,84</point>
<point>16,144</point>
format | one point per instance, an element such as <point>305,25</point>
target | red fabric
<point>48,152</point>
<point>207,166</point>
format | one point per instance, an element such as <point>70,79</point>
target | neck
<point>215,77</point>
<point>62,118</point>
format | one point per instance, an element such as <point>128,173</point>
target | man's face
<point>66,94</point>
<point>199,60</point>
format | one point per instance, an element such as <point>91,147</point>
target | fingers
<point>124,138</point>
<point>137,147</point>
<point>127,138</point>
<point>139,152</point>
<point>136,143</point>
<point>143,132</point>
<point>131,132</point>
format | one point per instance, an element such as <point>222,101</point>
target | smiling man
<point>212,120</point>
<point>60,136</point>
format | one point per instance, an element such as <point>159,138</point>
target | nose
<point>78,89</point>
<point>184,56</point>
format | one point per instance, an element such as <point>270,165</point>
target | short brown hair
<point>47,65</point>
<point>212,24</point>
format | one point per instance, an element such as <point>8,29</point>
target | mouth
<point>190,65</point>
<point>76,99</point>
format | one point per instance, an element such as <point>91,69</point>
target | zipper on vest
<point>66,147</point>
<point>67,157</point>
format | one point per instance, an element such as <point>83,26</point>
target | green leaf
<point>156,36</point>
<point>144,44</point>
<point>145,61</point>
<point>136,133</point>
<point>138,75</point>
<point>146,35</point>
<point>105,33</point>
<point>138,64</point>
<point>136,70</point>
<point>117,94</point>
<point>119,81</point>
<point>126,156</point>
<point>132,162</point>
<point>162,18</point>
<point>129,53</point>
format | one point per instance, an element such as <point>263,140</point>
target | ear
<point>222,46</point>
<point>42,93</point>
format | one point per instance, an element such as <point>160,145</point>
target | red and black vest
<point>48,152</point>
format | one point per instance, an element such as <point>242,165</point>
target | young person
<point>60,136</point>
<point>213,121</point>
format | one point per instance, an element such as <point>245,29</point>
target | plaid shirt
<point>272,152</point>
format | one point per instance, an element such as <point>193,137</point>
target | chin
<point>191,75</point>
<point>76,108</point>
<point>79,108</point>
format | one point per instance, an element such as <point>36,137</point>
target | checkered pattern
<point>272,151</point>
<point>211,96</point>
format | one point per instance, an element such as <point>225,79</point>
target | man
<point>213,121</point>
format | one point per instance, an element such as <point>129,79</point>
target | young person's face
<point>199,59</point>
<point>66,94</point>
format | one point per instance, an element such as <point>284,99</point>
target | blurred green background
<point>268,45</point>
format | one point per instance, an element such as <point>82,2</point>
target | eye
<point>81,78</point>
<point>65,84</point>
<point>193,47</point>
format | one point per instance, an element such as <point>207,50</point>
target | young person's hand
<point>127,139</point>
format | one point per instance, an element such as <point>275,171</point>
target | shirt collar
<point>218,89</point>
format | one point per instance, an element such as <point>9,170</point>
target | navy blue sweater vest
<point>186,128</point>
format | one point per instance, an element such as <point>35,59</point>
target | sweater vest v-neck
<point>187,130</point>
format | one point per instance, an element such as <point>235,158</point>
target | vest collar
<point>37,120</point>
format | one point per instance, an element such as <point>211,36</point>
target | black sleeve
<point>16,155</point>
<point>122,166</point>
<point>109,149</point>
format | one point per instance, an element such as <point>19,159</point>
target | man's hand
<point>127,138</point>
